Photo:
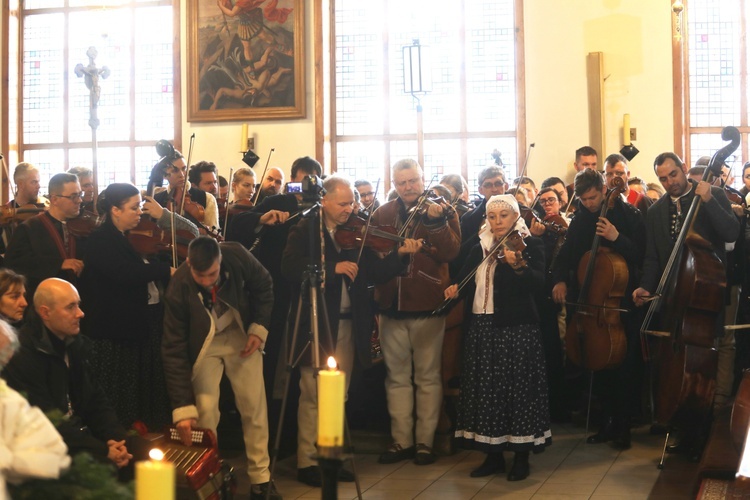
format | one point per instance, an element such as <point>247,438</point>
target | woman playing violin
<point>121,298</point>
<point>243,187</point>
<point>503,401</point>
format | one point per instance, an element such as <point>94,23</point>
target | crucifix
<point>91,76</point>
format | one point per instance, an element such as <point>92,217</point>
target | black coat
<point>513,293</point>
<point>372,270</point>
<point>33,253</point>
<point>114,286</point>
<point>40,373</point>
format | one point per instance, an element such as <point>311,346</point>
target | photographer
<point>264,229</point>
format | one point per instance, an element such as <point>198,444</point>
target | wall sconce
<point>677,8</point>
<point>417,76</point>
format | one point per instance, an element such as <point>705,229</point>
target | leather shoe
<point>424,455</point>
<point>493,464</point>
<point>310,476</point>
<point>606,432</point>
<point>520,469</point>
<point>396,453</point>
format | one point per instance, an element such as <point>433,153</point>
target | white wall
<point>219,142</point>
<point>635,39</point>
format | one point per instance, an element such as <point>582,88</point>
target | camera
<point>311,189</point>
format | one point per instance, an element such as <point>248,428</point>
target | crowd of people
<point>112,335</point>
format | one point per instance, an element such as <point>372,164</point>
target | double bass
<point>595,337</point>
<point>688,300</point>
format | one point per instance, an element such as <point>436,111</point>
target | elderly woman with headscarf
<point>503,404</point>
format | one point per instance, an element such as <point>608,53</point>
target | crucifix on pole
<point>91,76</point>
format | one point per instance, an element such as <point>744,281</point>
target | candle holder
<point>629,151</point>
<point>330,459</point>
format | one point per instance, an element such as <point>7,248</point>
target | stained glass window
<point>136,107</point>
<point>469,109</point>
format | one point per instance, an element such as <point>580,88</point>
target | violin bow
<point>367,225</point>
<point>416,208</point>
<point>187,166</point>
<point>13,189</point>
<point>262,176</point>
<point>231,191</point>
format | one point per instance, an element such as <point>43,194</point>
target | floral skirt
<point>504,402</point>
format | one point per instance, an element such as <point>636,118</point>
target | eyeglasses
<point>72,197</point>
<point>367,195</point>
<point>547,201</point>
<point>496,184</point>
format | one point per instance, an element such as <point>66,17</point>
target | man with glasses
<point>491,182</point>
<point>42,247</point>
<point>367,195</point>
<point>86,179</point>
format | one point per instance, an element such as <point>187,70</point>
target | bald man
<point>271,184</point>
<point>52,370</point>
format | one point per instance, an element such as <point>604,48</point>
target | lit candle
<point>243,138</point>
<point>626,130</point>
<point>155,478</point>
<point>331,391</point>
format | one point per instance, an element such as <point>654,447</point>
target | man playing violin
<point>272,184</point>
<point>264,229</point>
<point>42,247</point>
<point>410,334</point>
<point>86,180</point>
<point>26,178</point>
<point>622,231</point>
<point>616,166</point>
<point>347,302</point>
<point>172,198</point>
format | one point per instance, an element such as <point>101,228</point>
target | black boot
<point>520,469</point>
<point>606,432</point>
<point>494,463</point>
<point>621,438</point>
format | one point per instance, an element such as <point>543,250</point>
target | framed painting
<point>245,60</point>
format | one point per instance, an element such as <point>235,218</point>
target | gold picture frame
<point>245,61</point>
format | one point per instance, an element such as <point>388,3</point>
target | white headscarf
<point>497,202</point>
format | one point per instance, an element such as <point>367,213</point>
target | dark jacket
<point>715,221</point>
<point>33,253</point>
<point>188,324</point>
<point>114,286</point>
<point>40,373</point>
<point>630,244</point>
<point>372,269</point>
<point>420,290</point>
<point>513,293</point>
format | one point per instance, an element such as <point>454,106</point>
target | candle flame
<point>331,363</point>
<point>156,454</point>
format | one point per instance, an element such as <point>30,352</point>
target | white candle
<point>626,130</point>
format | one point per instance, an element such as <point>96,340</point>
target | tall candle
<point>155,478</point>
<point>626,130</point>
<point>331,392</point>
<point>243,138</point>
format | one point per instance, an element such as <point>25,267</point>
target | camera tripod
<point>312,291</point>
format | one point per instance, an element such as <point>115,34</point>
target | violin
<point>240,206</point>
<point>431,199</point>
<point>83,225</point>
<point>221,205</point>
<point>20,214</point>
<point>513,242</point>
<point>351,235</point>
<point>554,223</point>
<point>148,239</point>
<point>187,205</point>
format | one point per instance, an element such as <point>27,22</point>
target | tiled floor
<point>569,469</point>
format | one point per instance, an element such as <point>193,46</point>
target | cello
<point>689,297</point>
<point>595,337</point>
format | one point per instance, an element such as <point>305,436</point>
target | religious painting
<point>245,60</point>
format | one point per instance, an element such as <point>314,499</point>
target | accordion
<point>199,470</point>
